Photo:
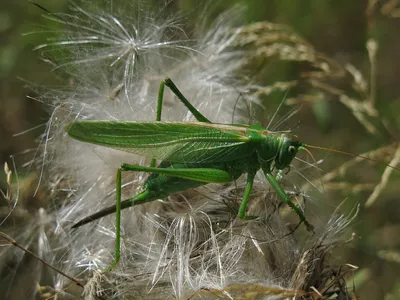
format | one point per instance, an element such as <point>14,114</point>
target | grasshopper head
<point>287,151</point>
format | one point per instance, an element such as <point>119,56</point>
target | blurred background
<point>356,108</point>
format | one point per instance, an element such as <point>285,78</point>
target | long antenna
<point>352,154</point>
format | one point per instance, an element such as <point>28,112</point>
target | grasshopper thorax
<point>287,150</point>
<point>276,150</point>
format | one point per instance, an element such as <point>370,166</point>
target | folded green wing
<point>171,141</point>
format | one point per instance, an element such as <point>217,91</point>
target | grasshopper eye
<point>292,149</point>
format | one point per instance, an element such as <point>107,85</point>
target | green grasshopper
<point>192,154</point>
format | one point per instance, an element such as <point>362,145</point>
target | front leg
<point>246,197</point>
<point>285,198</point>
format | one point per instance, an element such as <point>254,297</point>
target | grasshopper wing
<point>170,141</point>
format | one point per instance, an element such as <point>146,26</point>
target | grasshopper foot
<point>310,228</point>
